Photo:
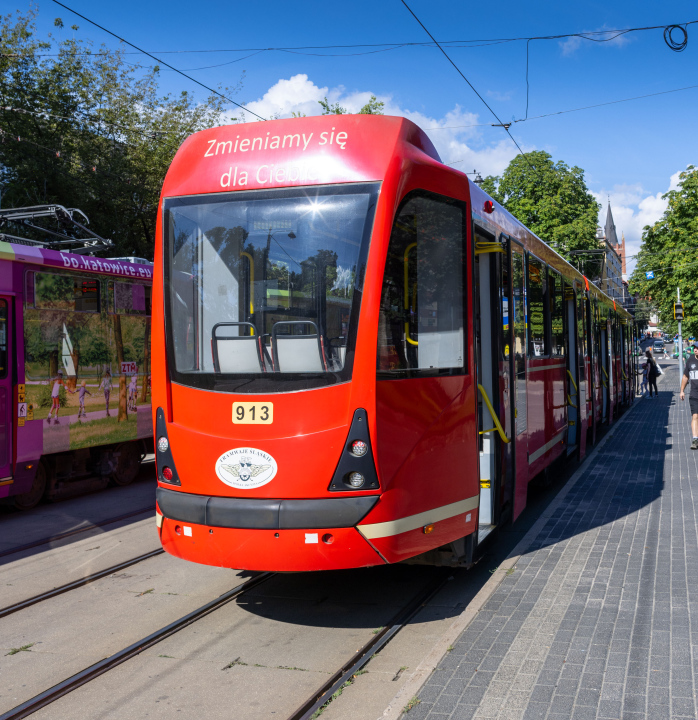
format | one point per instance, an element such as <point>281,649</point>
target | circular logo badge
<point>246,468</point>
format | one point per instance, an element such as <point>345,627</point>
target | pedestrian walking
<point>690,374</point>
<point>652,373</point>
<point>643,384</point>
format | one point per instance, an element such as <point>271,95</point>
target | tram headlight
<point>163,444</point>
<point>356,480</point>
<point>359,448</point>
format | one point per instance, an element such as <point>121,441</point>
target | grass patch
<point>103,432</point>
<point>337,693</point>
<point>24,648</point>
<point>414,700</point>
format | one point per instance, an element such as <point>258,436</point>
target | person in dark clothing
<point>652,373</point>
<point>690,374</point>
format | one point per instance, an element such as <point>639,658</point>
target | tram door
<point>5,391</point>
<point>517,309</point>
<point>573,379</point>
<point>492,347</point>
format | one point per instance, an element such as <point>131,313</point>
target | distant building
<point>612,270</point>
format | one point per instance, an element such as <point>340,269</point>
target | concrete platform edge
<point>421,674</point>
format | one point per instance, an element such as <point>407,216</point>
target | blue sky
<point>632,151</point>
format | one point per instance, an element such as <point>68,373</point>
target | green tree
<point>83,128</point>
<point>372,107</point>
<point>670,249</point>
<point>551,199</point>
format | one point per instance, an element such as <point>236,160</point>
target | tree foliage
<point>83,128</point>
<point>551,199</point>
<point>373,107</point>
<point>670,249</point>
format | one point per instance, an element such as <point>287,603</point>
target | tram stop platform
<point>598,616</point>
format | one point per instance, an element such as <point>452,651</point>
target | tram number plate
<point>252,413</point>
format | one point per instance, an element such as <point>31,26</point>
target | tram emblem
<point>246,468</point>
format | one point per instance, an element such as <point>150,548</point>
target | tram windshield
<point>264,286</point>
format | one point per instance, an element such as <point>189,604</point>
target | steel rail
<point>99,668</point>
<point>77,531</point>
<point>364,654</point>
<point>4,612</point>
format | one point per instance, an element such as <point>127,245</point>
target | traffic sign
<point>649,275</point>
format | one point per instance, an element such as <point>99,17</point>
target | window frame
<point>266,383</point>
<point>72,276</point>
<point>406,373</point>
<point>111,299</point>
<point>5,369</point>
<point>559,292</point>
<point>546,308</point>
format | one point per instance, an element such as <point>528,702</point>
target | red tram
<point>360,358</point>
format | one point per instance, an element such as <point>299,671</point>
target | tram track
<point>319,697</point>
<point>101,667</point>
<point>362,656</point>
<point>76,531</point>
<point>67,587</point>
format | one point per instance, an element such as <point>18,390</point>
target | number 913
<point>251,413</point>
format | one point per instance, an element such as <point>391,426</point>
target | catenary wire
<point>198,82</point>
<point>459,71</point>
<point>590,35</point>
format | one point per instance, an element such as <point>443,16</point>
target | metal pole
<point>678,299</point>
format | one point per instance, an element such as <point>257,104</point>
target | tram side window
<point>130,298</point>
<point>421,314</point>
<point>535,293</point>
<point>4,355</point>
<point>557,313</point>
<point>519,316</point>
<point>65,292</point>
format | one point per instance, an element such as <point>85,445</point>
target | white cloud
<point>633,208</point>
<point>458,135</point>
<point>572,44</point>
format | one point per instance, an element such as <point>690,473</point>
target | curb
<point>416,680</point>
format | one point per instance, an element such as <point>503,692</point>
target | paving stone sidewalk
<point>600,617</point>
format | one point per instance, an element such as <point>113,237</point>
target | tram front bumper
<point>266,534</point>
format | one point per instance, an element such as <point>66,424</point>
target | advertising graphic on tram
<point>77,331</point>
<point>359,357</point>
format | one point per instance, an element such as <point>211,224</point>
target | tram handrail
<point>482,247</point>
<point>405,260</point>
<point>603,369</point>
<point>499,427</point>
<point>569,401</point>
<point>576,389</point>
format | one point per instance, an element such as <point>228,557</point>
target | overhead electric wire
<point>162,62</point>
<point>589,35</point>
<point>563,112</point>
<point>472,87</point>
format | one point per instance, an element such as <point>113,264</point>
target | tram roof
<point>70,261</point>
<point>329,149</point>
